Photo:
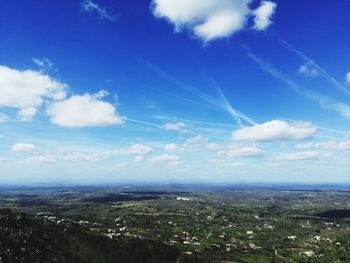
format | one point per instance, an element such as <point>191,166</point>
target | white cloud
<point>347,78</point>
<point>179,126</point>
<point>27,113</point>
<point>308,71</point>
<point>220,162</point>
<point>221,24</point>
<point>263,15</point>
<point>90,157</point>
<point>171,147</point>
<point>243,151</point>
<point>298,156</point>
<point>199,139</point>
<point>329,145</point>
<point>166,158</point>
<point>44,64</point>
<point>275,130</point>
<point>90,7</point>
<point>84,111</point>
<point>43,159</point>
<point>59,156</point>
<point>138,149</point>
<point>191,144</point>
<point>342,108</point>
<point>23,147</point>
<point>27,90</point>
<point>212,19</point>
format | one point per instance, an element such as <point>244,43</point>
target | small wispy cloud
<point>347,78</point>
<point>324,101</point>
<point>89,6</point>
<point>308,71</point>
<point>298,156</point>
<point>45,65</point>
<point>328,145</point>
<point>320,69</point>
<point>167,159</point>
<point>244,151</point>
<point>138,149</point>
<point>178,126</point>
<point>23,147</point>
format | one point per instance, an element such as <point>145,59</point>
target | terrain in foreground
<point>175,223</point>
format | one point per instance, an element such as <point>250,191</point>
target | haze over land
<point>220,91</point>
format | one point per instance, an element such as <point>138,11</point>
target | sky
<point>217,91</point>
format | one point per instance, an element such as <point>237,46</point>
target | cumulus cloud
<point>23,147</point>
<point>168,159</point>
<point>329,145</point>
<point>84,111</point>
<point>91,7</point>
<point>178,126</point>
<point>138,149</point>
<point>27,90</point>
<point>276,130</point>
<point>212,19</point>
<point>308,71</point>
<point>263,15</point>
<point>298,156</point>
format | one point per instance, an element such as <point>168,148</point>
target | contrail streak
<point>143,122</point>
<point>321,99</point>
<point>222,103</point>
<point>325,74</point>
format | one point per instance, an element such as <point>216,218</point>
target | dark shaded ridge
<point>25,239</point>
<point>335,214</point>
<point>120,198</point>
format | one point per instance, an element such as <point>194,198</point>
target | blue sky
<point>174,91</point>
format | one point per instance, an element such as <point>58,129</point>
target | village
<point>240,225</point>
